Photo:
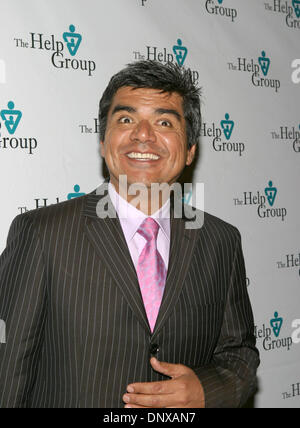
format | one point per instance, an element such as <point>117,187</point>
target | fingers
<point>151,394</point>
<point>168,369</point>
<point>178,391</point>
<point>150,401</point>
<point>154,388</point>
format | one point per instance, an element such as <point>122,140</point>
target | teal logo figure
<point>264,63</point>
<point>76,194</point>
<point>296,4</point>
<point>276,324</point>
<point>187,197</point>
<point>11,117</point>
<point>271,193</point>
<point>220,1</point>
<point>180,52</point>
<point>73,40</point>
<point>227,126</point>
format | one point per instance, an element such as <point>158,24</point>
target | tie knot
<point>149,229</point>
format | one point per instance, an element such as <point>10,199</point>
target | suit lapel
<point>181,251</point>
<point>107,238</point>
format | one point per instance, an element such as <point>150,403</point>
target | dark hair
<point>167,77</point>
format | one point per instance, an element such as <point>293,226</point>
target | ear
<point>102,149</point>
<point>191,154</point>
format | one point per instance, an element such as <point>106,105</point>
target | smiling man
<point>145,137</point>
<point>134,309</point>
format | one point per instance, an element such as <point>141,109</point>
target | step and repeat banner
<point>56,59</point>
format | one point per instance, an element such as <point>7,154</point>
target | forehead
<point>147,97</point>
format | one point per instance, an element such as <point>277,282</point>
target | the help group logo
<point>217,134</point>
<point>217,8</point>
<point>256,67</point>
<point>290,10</point>
<point>270,335</point>
<point>289,136</point>
<point>62,49</point>
<point>290,261</point>
<point>11,118</point>
<point>38,203</point>
<point>177,54</point>
<point>264,201</point>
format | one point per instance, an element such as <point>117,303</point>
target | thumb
<point>168,369</point>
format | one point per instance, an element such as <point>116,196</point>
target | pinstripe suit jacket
<point>76,330</point>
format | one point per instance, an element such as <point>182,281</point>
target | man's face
<point>145,137</point>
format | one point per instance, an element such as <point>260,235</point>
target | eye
<point>164,122</point>
<point>125,119</point>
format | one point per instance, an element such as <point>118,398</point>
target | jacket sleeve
<point>230,379</point>
<point>22,311</point>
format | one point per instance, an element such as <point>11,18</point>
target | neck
<point>147,199</point>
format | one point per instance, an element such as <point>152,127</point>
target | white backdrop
<point>56,59</point>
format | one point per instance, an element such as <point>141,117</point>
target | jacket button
<point>154,348</point>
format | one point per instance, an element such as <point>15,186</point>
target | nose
<point>143,132</point>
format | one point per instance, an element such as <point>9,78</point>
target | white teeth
<point>136,155</point>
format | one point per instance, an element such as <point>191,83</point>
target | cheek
<point>109,145</point>
<point>178,151</point>
<point>115,139</point>
<point>174,143</point>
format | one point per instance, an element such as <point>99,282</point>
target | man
<point>131,308</point>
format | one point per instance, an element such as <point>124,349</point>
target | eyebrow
<point>120,107</point>
<point>169,111</point>
<point>129,109</point>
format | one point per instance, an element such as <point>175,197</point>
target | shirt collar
<point>131,218</point>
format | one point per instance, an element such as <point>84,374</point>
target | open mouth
<point>142,156</point>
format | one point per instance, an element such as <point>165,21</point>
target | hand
<point>184,389</point>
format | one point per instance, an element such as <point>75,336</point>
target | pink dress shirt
<point>131,218</point>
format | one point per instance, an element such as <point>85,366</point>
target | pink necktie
<point>151,271</point>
